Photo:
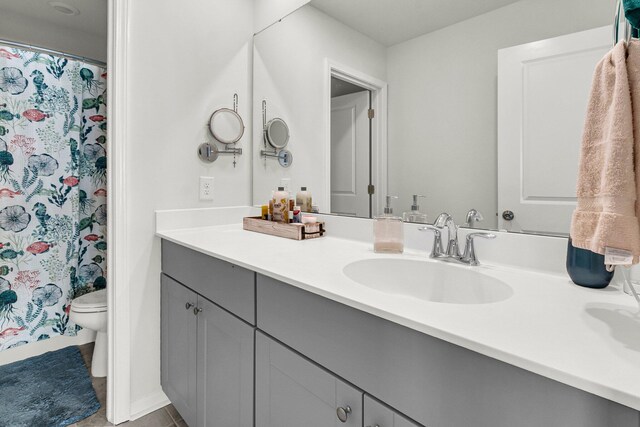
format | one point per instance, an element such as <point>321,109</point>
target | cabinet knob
<point>343,413</point>
<point>188,305</point>
<point>197,311</point>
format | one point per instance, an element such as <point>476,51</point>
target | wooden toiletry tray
<point>288,231</point>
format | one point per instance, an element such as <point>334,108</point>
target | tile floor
<point>163,417</point>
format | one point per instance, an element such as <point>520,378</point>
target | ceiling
<point>340,87</point>
<point>394,21</point>
<point>92,18</point>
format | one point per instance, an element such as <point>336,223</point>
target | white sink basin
<point>428,281</point>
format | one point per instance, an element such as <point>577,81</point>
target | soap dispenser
<point>414,215</point>
<point>388,231</point>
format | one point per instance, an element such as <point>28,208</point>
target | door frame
<point>118,307</point>
<point>378,89</point>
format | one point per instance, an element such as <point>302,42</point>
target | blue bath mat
<point>50,390</point>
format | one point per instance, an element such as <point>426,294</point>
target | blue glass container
<point>587,268</point>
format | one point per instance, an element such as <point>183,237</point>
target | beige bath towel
<point>609,174</point>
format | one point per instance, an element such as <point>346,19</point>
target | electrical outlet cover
<point>206,187</point>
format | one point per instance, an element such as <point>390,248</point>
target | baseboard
<point>147,405</point>
<point>40,347</point>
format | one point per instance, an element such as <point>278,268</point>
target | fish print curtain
<point>53,212</point>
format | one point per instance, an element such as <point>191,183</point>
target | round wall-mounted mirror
<point>226,126</point>
<point>277,133</point>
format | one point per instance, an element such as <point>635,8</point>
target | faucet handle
<point>470,251</point>
<point>437,239</point>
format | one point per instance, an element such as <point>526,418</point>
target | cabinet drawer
<point>432,381</point>
<point>227,285</point>
<point>293,392</point>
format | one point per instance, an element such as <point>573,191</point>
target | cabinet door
<point>293,392</point>
<point>378,415</point>
<point>178,354</point>
<point>225,368</point>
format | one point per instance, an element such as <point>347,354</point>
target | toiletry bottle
<point>270,211</point>
<point>280,206</point>
<point>414,215</point>
<point>265,212</point>
<point>388,231</point>
<point>297,216</point>
<point>292,203</point>
<point>303,199</point>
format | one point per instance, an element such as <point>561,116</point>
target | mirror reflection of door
<point>350,149</point>
<point>543,96</point>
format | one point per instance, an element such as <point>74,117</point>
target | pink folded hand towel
<point>609,175</point>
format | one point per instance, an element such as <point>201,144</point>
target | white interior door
<point>543,90</point>
<point>350,154</point>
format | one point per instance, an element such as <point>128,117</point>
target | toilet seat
<point>93,302</point>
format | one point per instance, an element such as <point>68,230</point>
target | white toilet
<point>90,311</point>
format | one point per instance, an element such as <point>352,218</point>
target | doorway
<point>350,149</point>
<point>356,133</point>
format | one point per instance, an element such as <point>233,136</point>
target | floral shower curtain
<point>52,191</point>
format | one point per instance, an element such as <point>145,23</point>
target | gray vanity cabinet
<point>225,368</point>
<point>207,359</point>
<point>178,348</point>
<point>378,415</point>
<point>434,382</point>
<point>231,339</point>
<point>293,392</point>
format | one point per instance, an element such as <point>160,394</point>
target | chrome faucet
<point>473,216</point>
<point>453,249</point>
<point>445,220</point>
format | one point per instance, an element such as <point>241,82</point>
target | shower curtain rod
<point>53,52</point>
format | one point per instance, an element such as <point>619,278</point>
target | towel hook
<point>616,25</point>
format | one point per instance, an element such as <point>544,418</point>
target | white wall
<point>443,102</point>
<point>28,30</point>
<point>289,66</point>
<point>184,61</point>
<point>266,12</point>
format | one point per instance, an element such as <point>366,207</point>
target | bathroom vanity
<point>255,338</point>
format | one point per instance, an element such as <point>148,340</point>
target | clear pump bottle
<point>414,215</point>
<point>388,231</point>
<point>303,199</point>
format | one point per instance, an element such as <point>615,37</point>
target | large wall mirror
<point>472,104</point>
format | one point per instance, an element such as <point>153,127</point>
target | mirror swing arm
<point>207,151</point>
<point>276,140</point>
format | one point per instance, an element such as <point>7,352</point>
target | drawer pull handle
<point>197,311</point>
<point>188,305</point>
<point>343,413</point>
<point>377,425</point>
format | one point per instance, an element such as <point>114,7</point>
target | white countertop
<point>588,339</point>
